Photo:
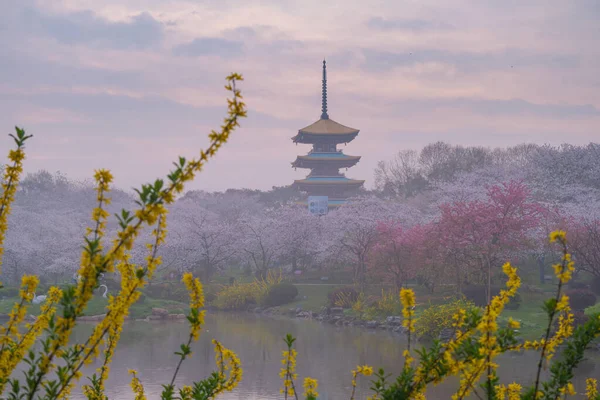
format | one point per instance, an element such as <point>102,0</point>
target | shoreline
<point>328,315</point>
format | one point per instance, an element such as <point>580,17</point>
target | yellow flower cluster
<point>136,386</point>
<point>513,391</point>
<point>565,327</point>
<point>187,393</point>
<point>488,326</point>
<point>568,390</point>
<point>310,387</point>
<point>564,271</point>
<point>591,389</point>
<point>558,236</point>
<point>14,350</point>
<point>288,372</point>
<point>10,333</point>
<point>91,258</point>
<point>229,367</point>
<point>196,293</point>
<point>407,297</point>
<point>10,181</point>
<point>364,370</point>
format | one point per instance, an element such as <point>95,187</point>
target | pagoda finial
<point>324,100</point>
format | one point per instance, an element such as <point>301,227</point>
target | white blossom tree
<point>261,245</point>
<point>201,240</point>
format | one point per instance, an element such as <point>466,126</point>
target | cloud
<point>415,25</point>
<point>32,71</point>
<point>148,116</point>
<point>210,46</point>
<point>495,107</point>
<point>85,27</point>
<point>523,107</point>
<point>467,61</point>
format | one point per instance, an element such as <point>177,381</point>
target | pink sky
<point>130,85</point>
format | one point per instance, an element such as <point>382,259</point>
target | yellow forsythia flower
<point>136,385</point>
<point>591,389</point>
<point>310,387</point>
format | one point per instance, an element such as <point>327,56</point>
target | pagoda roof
<point>327,130</point>
<point>334,158</point>
<point>328,127</point>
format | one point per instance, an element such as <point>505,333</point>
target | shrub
<point>263,285</point>
<point>578,285</point>
<point>9,292</point>
<point>579,318</point>
<point>580,299</point>
<point>344,297</point>
<point>438,317</point>
<point>236,297</point>
<point>281,293</point>
<point>595,285</point>
<point>478,295</point>
<point>387,304</point>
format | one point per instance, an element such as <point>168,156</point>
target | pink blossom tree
<point>399,252</point>
<point>480,234</point>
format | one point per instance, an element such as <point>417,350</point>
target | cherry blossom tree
<point>354,229</point>
<point>482,234</point>
<point>399,252</point>
<point>301,236</point>
<point>261,245</point>
<point>201,240</point>
<point>43,241</point>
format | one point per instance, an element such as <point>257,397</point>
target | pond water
<point>325,352</point>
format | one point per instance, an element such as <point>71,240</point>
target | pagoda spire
<point>324,93</point>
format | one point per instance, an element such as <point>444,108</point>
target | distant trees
<point>547,170</point>
<point>584,237</point>
<point>447,214</point>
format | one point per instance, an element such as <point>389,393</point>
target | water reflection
<point>325,352</point>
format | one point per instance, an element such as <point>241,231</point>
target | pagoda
<point>325,160</point>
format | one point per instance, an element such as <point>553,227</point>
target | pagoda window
<point>324,148</point>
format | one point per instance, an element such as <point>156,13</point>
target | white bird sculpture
<point>38,299</point>
<point>105,290</point>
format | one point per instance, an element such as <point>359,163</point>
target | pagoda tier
<point>325,160</point>
<point>335,160</point>
<point>321,185</point>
